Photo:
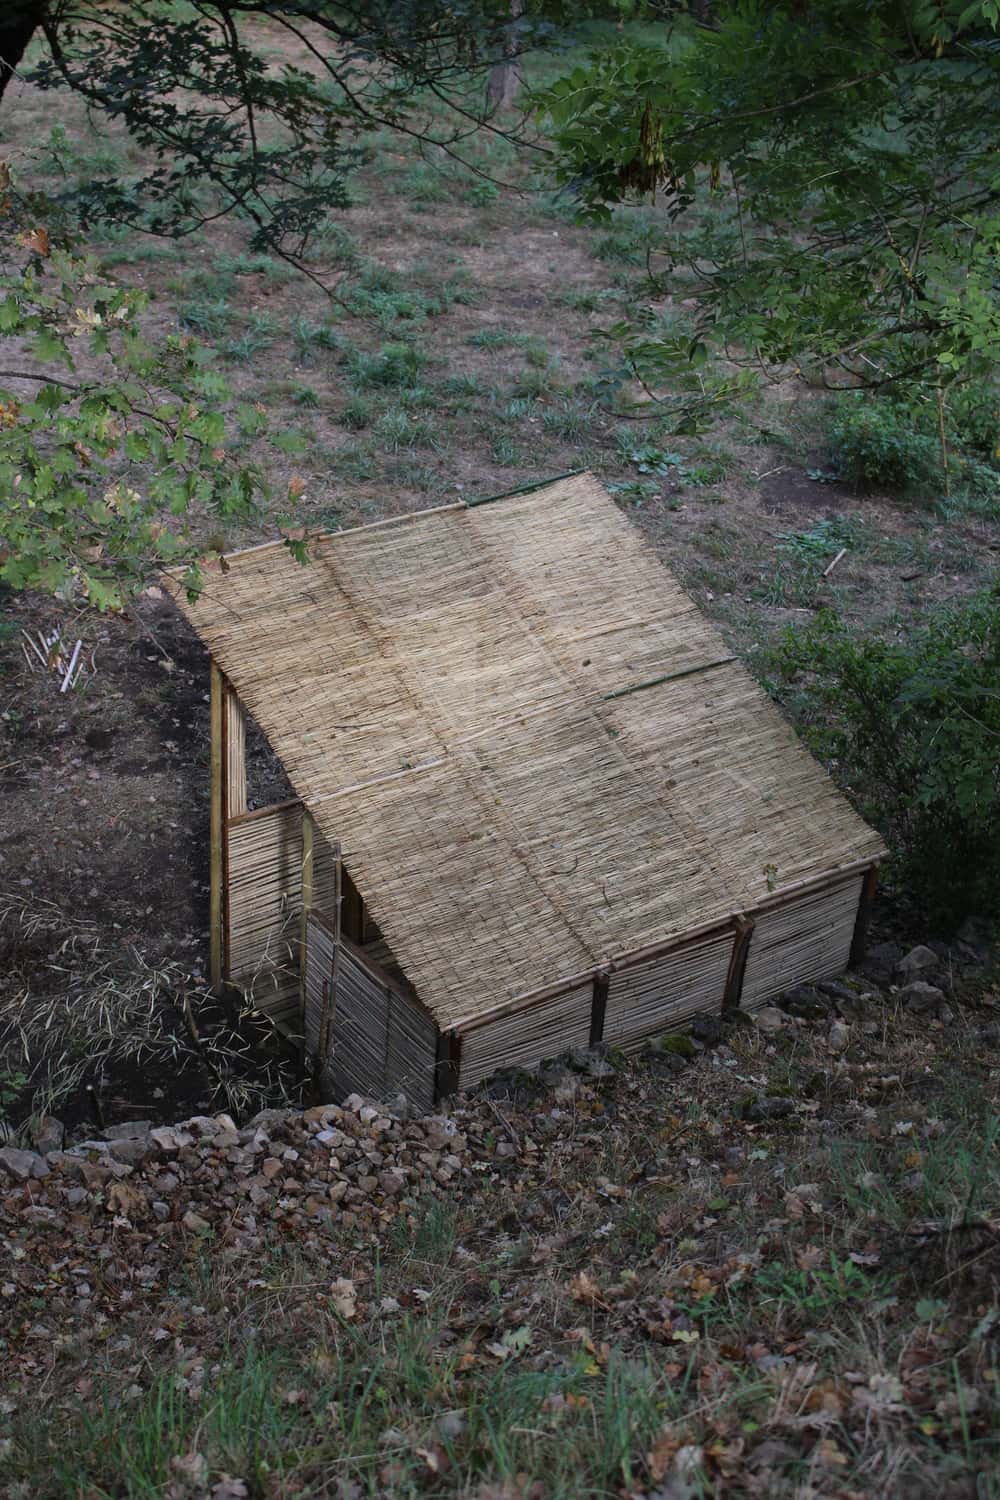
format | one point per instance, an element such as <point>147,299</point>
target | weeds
<point>87,1010</point>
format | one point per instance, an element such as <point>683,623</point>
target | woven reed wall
<point>383,1042</point>
<point>523,1039</point>
<point>263,902</point>
<point>805,939</point>
<point>662,992</point>
<point>530,744</point>
<point>319,985</point>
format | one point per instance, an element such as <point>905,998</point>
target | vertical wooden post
<point>860,935</point>
<point>216,852</point>
<point>737,964</point>
<point>448,1068</point>
<point>307,900</point>
<point>598,1006</point>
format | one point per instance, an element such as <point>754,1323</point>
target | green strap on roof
<point>525,489</point>
<point>638,687</point>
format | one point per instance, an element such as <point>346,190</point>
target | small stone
<point>337,1190</point>
<point>707,1029</point>
<point>391,1182</point>
<point>195,1222</point>
<point>805,1002</point>
<point>368,1184</point>
<point>769,1020</point>
<point>170,1139</point>
<point>128,1130</point>
<point>46,1134</point>
<point>131,1149</point>
<point>921,997</point>
<point>271,1167</point>
<point>839,1038</point>
<point>22,1165</point>
<point>767,1107</point>
<point>161,1210</point>
<point>879,963</point>
<point>919,958</point>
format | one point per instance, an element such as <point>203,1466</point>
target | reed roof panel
<point>533,749</point>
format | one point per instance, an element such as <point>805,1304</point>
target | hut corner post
<point>227,800</point>
<point>859,937</point>
<point>216,850</point>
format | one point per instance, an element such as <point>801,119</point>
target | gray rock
<point>21,1165</point>
<point>131,1149</point>
<point>128,1130</point>
<point>990,1034</point>
<point>806,1002</point>
<point>268,1118</point>
<point>46,1133</point>
<point>707,1029</point>
<point>879,963</point>
<point>588,1060</point>
<point>916,961</point>
<point>170,1138</point>
<point>769,1020</point>
<point>840,1037</point>
<point>767,1107</point>
<point>921,997</point>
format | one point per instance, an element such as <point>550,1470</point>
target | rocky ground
<point>775,1240</point>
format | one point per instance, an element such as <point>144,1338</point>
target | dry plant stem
<point>944,442</point>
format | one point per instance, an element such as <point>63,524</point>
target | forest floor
<point>651,1292</point>
<point>768,1270</point>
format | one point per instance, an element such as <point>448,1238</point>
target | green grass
<point>380,1407</point>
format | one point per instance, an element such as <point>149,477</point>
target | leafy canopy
<point>846,156</point>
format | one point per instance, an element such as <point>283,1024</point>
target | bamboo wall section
<point>319,987</point>
<point>264,863</point>
<point>801,940</point>
<point>383,1041</point>
<point>660,993</point>
<point>523,1039</point>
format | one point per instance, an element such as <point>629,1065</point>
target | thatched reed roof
<point>535,752</point>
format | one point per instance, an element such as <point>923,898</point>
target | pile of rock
<point>355,1163</point>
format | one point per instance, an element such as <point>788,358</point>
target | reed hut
<point>539,803</point>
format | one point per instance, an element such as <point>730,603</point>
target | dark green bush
<point>882,444</point>
<point>875,446</point>
<point>911,727</point>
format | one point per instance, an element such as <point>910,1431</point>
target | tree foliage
<point>102,463</point>
<point>847,155</point>
<point>111,443</point>
<point>911,724</point>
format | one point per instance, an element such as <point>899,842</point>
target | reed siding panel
<point>523,1039</point>
<point>264,891</point>
<point>660,993</point>
<point>805,939</point>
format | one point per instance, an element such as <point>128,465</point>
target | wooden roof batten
<point>538,757</point>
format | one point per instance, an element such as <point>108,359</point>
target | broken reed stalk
<point>944,442</point>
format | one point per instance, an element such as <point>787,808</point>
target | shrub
<point>911,725</point>
<point>896,446</point>
<point>874,446</point>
